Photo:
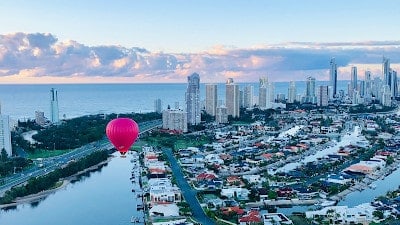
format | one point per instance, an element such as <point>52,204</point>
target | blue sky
<point>64,41</point>
<point>196,25</point>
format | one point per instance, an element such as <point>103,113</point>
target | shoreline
<point>43,194</point>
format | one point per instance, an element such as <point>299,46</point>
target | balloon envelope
<point>122,132</point>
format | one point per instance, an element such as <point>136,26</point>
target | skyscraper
<point>386,71</point>
<point>211,98</point>
<point>232,98</point>
<point>292,92</point>
<point>353,82</point>
<point>393,83</point>
<point>193,99</point>
<point>310,90</point>
<point>386,98</point>
<point>54,118</point>
<point>270,96</point>
<point>368,83</point>
<point>333,77</point>
<point>157,105</point>
<point>323,96</point>
<point>39,118</point>
<point>5,134</point>
<point>266,94</point>
<point>221,114</point>
<point>262,99</point>
<point>175,119</point>
<point>248,94</point>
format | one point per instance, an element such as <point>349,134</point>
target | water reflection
<point>36,203</point>
<point>100,197</point>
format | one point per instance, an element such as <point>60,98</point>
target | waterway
<point>389,183</point>
<point>367,195</point>
<point>188,193</point>
<point>100,197</point>
<point>345,140</point>
<point>105,197</point>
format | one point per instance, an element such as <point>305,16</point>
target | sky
<point>165,41</point>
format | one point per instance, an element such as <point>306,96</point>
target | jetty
<point>139,217</point>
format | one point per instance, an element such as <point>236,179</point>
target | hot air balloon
<point>122,133</point>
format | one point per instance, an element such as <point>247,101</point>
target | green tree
<point>378,214</point>
<point>4,155</point>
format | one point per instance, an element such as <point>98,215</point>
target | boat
<point>134,219</point>
<point>140,207</point>
<point>326,203</point>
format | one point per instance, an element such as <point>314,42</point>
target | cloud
<point>42,55</point>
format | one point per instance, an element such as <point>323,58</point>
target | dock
<point>139,216</point>
<point>137,220</point>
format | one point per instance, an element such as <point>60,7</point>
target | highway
<point>53,163</point>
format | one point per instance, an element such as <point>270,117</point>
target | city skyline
<point>137,42</point>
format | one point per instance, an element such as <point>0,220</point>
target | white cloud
<point>42,55</point>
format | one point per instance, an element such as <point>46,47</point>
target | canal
<point>101,197</point>
<point>188,193</point>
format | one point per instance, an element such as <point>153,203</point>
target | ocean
<point>20,101</point>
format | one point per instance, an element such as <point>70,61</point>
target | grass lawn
<point>176,142</point>
<point>188,143</point>
<point>138,145</point>
<point>40,153</point>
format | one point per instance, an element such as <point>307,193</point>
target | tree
<point>4,155</point>
<point>378,214</point>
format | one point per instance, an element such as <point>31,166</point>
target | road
<point>188,192</point>
<point>53,163</point>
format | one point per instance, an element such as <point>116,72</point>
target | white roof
<point>165,209</point>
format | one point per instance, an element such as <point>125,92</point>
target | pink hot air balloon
<point>122,132</point>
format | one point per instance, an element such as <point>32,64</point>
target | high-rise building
<point>39,118</point>
<point>270,96</point>
<point>333,77</point>
<point>175,119</point>
<point>221,114</point>
<point>361,88</point>
<point>5,134</point>
<point>323,96</point>
<point>280,97</point>
<point>157,105</point>
<point>386,96</point>
<point>310,91</point>
<point>353,82</point>
<point>248,95</point>
<point>292,92</point>
<point>232,98</point>
<point>241,98</point>
<point>193,99</point>
<point>393,83</point>
<point>386,70</point>
<point>54,113</point>
<point>368,83</point>
<point>377,87</point>
<point>266,94</point>
<point>211,99</point>
<point>262,98</point>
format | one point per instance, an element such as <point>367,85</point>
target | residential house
<point>252,217</point>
